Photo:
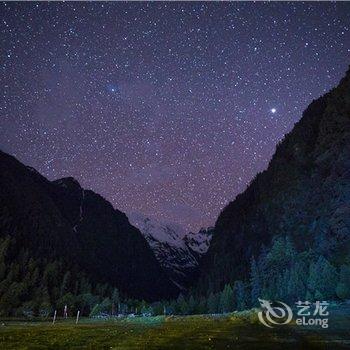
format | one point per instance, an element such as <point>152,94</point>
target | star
<point>158,111</point>
<point>113,88</point>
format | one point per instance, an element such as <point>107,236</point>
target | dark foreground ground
<point>233,331</point>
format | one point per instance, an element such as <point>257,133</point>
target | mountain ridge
<point>60,219</point>
<point>304,193</point>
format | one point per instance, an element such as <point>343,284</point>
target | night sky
<point>169,109</point>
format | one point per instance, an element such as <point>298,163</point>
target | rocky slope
<point>61,220</point>
<point>177,251</point>
<point>304,193</point>
<point>199,242</point>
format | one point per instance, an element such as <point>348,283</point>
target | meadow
<point>231,331</point>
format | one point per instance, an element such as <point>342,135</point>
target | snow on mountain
<point>199,242</point>
<point>167,233</point>
<point>176,250</point>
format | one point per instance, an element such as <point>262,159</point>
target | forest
<point>36,287</point>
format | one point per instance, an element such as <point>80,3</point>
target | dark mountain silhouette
<point>304,194</point>
<point>60,221</point>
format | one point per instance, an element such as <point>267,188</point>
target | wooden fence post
<point>77,320</point>
<point>54,317</point>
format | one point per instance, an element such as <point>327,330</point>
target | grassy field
<point>233,331</point>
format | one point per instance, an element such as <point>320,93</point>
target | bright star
<point>273,110</point>
<point>113,88</point>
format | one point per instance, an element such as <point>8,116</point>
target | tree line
<point>36,287</point>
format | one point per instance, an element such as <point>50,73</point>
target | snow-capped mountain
<point>176,250</point>
<point>199,242</point>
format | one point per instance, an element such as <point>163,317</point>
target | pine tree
<point>212,303</point>
<point>240,295</point>
<point>106,306</point>
<point>115,300</point>
<point>65,283</point>
<point>95,310</point>
<point>297,281</point>
<point>343,286</point>
<point>182,305</point>
<point>191,305</point>
<point>323,279</point>
<point>255,283</point>
<point>226,299</point>
<point>201,306</point>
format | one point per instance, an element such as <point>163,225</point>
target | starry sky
<point>169,109</point>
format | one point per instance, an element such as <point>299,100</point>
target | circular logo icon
<point>274,313</point>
